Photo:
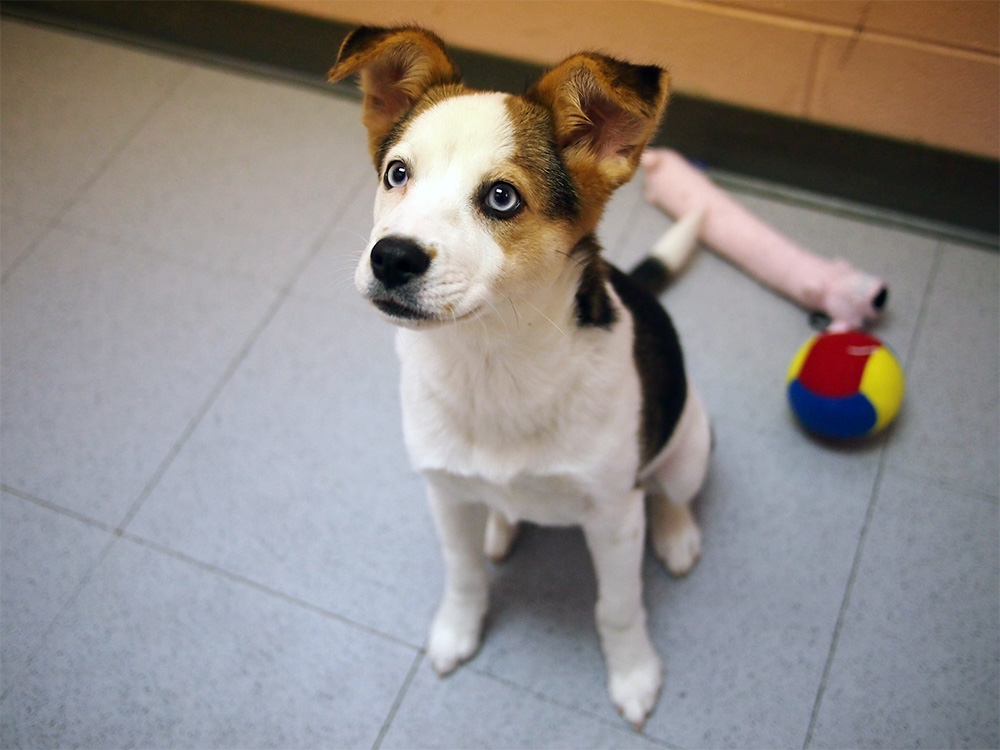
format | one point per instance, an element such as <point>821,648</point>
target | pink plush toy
<point>703,211</point>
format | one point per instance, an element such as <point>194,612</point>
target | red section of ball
<point>836,362</point>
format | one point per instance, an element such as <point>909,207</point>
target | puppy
<point>539,383</point>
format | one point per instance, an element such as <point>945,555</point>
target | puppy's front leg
<point>458,624</point>
<point>635,674</point>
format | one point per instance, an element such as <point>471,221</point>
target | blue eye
<point>396,174</point>
<point>501,201</point>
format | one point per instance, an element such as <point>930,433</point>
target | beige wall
<point>921,70</point>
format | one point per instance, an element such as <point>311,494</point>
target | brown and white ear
<point>397,66</point>
<point>604,111</point>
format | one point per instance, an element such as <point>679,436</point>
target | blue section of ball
<point>841,418</point>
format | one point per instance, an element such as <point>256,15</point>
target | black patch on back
<point>659,360</point>
<point>656,347</point>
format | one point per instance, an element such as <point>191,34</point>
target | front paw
<point>634,692</point>
<point>455,636</point>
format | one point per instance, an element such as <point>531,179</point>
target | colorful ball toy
<point>845,385</point>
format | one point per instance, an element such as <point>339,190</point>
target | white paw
<point>680,548</point>
<point>634,692</point>
<point>455,636</point>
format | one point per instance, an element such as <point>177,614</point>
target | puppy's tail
<point>670,253</point>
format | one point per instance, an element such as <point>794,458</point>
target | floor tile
<point>156,652</point>
<point>467,709</point>
<point>954,380</point>
<point>328,278</point>
<point>619,214</point>
<point>107,356</point>
<point>299,477</point>
<point>248,174</point>
<point>918,660</point>
<point>69,103</point>
<point>44,556</point>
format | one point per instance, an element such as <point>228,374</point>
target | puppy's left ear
<point>397,66</point>
<point>604,112</point>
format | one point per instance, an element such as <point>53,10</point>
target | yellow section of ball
<point>800,356</point>
<point>884,384</point>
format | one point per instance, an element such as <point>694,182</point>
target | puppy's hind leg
<point>500,536</point>
<point>674,482</point>
<point>457,627</point>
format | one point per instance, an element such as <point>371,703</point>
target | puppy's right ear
<point>397,66</point>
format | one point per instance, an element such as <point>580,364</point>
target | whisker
<point>482,324</point>
<point>552,322</point>
<point>517,317</point>
<point>502,319</point>
<point>579,261</point>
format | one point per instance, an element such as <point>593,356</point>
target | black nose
<point>395,261</point>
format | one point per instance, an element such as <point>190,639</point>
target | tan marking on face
<point>537,241</point>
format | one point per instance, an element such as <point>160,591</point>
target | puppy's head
<point>483,196</point>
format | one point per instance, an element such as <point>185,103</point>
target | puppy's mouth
<point>396,309</point>
<point>409,315</point>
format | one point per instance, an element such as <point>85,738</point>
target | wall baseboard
<point>957,194</point>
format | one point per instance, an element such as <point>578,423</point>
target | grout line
<point>199,415</point>
<point>116,534</point>
<point>866,526</point>
<point>264,589</point>
<point>973,494</point>
<point>88,574</point>
<point>47,226</point>
<point>48,505</point>
<point>616,724</point>
<point>924,303</point>
<point>846,601</point>
<point>400,696</point>
<point>55,219</point>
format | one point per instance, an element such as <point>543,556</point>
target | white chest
<point>538,435</point>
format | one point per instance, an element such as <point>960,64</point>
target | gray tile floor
<point>210,535</point>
